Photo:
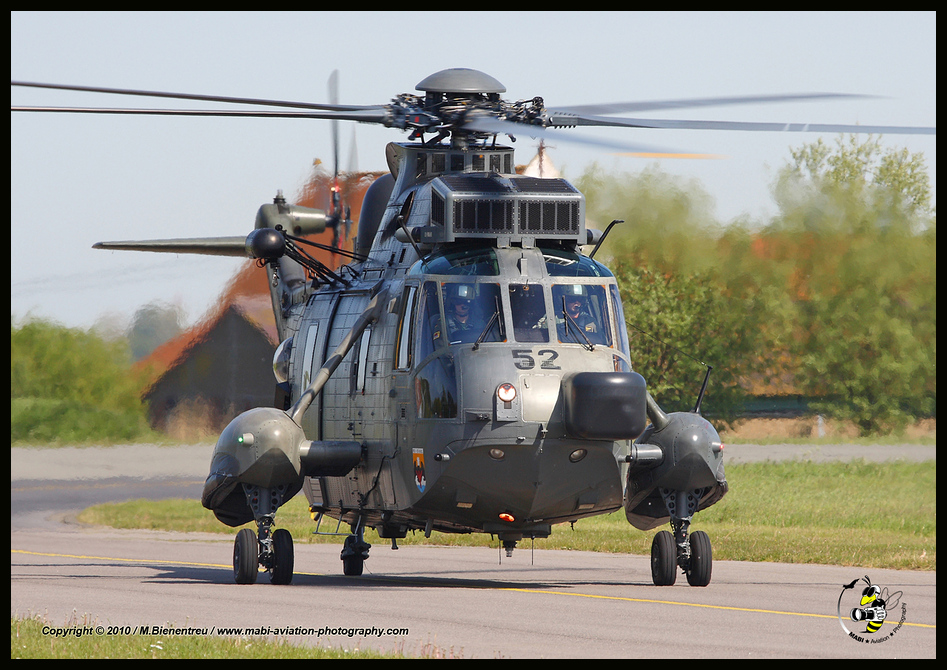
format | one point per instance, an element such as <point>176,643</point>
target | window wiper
<point>493,319</point>
<point>569,320</point>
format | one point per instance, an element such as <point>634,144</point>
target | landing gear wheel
<point>354,552</point>
<point>663,559</point>
<point>352,566</point>
<point>701,563</point>
<point>246,557</point>
<point>281,571</point>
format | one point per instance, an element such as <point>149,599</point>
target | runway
<point>462,602</point>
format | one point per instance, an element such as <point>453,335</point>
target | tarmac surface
<point>439,601</point>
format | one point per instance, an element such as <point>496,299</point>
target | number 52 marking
<point>523,359</point>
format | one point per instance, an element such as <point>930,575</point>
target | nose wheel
<point>695,558</point>
<point>267,549</point>
<point>245,557</point>
<point>692,553</point>
<point>275,556</point>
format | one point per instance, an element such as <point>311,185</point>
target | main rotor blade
<point>363,115</point>
<point>654,105</point>
<point>194,96</point>
<point>488,124</point>
<point>206,246</point>
<point>334,100</point>
<point>679,124</point>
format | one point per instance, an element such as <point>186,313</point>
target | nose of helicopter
<point>500,485</point>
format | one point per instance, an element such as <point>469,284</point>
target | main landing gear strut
<point>692,553</point>
<point>269,549</point>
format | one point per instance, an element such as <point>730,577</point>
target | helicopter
<point>467,369</point>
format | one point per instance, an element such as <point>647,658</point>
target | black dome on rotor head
<point>460,80</point>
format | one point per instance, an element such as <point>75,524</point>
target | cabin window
<point>312,334</point>
<point>472,312</point>
<point>403,344</point>
<point>581,314</point>
<point>528,309</point>
<point>361,363</point>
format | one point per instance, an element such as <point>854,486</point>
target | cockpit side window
<point>429,336</point>
<point>435,382</point>
<point>620,320</point>
<point>435,388</point>
<point>582,315</point>
<point>528,309</point>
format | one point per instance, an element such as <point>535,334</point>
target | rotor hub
<point>460,80</point>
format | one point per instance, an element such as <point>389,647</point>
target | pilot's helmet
<point>574,292</point>
<point>460,292</point>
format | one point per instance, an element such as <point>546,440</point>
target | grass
<point>880,515</point>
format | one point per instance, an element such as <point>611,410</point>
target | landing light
<point>506,392</point>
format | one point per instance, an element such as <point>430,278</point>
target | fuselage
<point>445,449</point>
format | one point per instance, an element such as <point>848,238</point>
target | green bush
<point>71,385</point>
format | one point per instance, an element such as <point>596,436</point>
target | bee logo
<point>873,606</point>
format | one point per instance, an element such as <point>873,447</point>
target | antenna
<point>703,387</point>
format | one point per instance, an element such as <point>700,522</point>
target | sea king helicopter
<point>467,370</point>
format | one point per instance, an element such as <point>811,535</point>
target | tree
<point>677,323</point>
<point>676,289</point>
<point>862,243</point>
<point>153,325</point>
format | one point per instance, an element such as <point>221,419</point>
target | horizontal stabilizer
<point>207,246</point>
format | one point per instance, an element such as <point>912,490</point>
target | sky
<point>79,179</point>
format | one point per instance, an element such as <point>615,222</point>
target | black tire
<point>282,570</point>
<point>663,559</point>
<point>352,566</point>
<point>701,559</point>
<point>246,557</point>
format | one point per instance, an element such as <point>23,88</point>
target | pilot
<point>529,313</point>
<point>577,308</point>
<point>462,324</point>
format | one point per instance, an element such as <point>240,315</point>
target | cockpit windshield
<point>561,263</point>
<point>461,308</point>
<point>470,261</point>
<point>528,308</point>
<point>581,314</point>
<point>472,313</point>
